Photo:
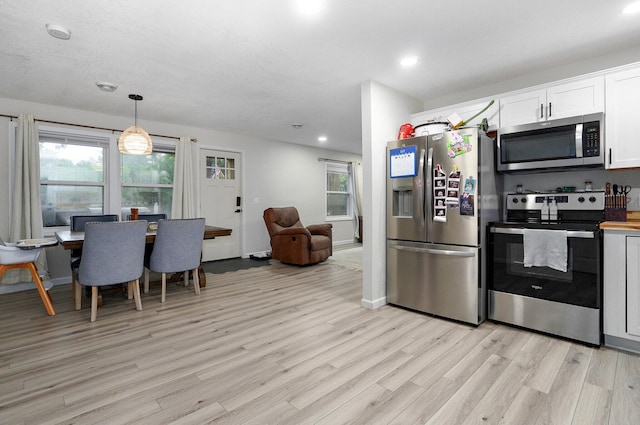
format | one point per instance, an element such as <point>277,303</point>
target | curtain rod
<point>96,128</point>
<point>336,160</point>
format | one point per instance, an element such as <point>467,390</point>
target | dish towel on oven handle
<point>545,248</point>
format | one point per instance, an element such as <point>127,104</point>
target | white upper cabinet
<point>623,110</point>
<point>560,101</point>
<point>465,111</point>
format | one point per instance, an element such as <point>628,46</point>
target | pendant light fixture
<point>135,140</point>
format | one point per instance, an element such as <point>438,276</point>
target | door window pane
<point>220,168</point>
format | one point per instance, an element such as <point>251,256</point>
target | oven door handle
<point>583,234</point>
<point>436,251</point>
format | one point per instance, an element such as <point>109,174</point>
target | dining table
<point>74,240</point>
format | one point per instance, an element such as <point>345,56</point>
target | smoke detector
<point>105,86</point>
<point>58,31</point>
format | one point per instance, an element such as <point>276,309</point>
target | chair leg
<point>94,303</point>
<point>77,292</point>
<point>129,290</point>
<point>40,286</point>
<point>196,281</point>
<point>135,288</point>
<point>186,278</point>
<point>146,280</point>
<point>164,287</point>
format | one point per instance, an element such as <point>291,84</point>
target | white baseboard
<point>347,242</point>
<point>373,304</point>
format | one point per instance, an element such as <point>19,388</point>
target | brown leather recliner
<point>292,243</point>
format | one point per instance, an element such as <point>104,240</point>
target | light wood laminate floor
<point>290,345</point>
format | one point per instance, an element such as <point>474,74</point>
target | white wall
<point>383,111</point>
<point>278,173</point>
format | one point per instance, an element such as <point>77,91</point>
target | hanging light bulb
<point>135,140</point>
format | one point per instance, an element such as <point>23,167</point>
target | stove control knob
<point>514,200</point>
<point>592,199</point>
<point>523,200</point>
<point>581,199</point>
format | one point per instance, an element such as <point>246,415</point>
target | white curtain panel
<point>26,215</point>
<point>355,174</point>
<point>184,191</point>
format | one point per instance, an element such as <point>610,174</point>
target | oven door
<point>579,285</point>
<point>563,303</point>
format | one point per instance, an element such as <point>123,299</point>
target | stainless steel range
<point>545,264</point>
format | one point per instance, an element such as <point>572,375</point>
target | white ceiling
<point>256,66</point>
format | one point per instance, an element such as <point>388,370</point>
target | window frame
<point>158,147</point>
<point>338,167</point>
<point>70,136</point>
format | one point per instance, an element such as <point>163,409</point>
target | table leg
<point>203,276</point>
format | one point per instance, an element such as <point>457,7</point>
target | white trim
<point>338,167</point>
<point>243,176</point>
<point>374,304</point>
<point>100,139</point>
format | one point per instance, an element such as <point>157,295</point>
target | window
<point>147,183</point>
<point>73,176</point>
<point>220,168</point>
<point>339,191</point>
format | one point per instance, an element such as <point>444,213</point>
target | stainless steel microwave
<point>563,143</point>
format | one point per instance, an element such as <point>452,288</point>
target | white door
<point>221,201</point>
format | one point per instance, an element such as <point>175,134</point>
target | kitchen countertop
<point>632,223</point>
<point>620,225</point>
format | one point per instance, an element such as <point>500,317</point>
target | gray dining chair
<point>76,224</point>
<point>177,248</point>
<point>112,253</point>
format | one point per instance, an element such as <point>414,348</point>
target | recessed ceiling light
<point>322,139</point>
<point>296,125</point>
<point>104,86</point>
<point>632,8</point>
<point>409,61</point>
<point>309,7</point>
<point>58,31</point>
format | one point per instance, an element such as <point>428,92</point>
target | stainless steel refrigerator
<point>441,194</point>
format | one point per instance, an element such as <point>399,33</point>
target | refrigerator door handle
<point>435,251</point>
<point>429,182</point>
<point>421,185</point>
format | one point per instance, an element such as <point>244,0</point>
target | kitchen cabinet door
<point>633,285</point>
<point>523,108</point>
<point>577,98</point>
<point>559,101</point>
<point>623,106</point>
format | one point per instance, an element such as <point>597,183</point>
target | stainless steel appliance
<point>564,143</point>
<point>545,264</point>
<point>441,193</point>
